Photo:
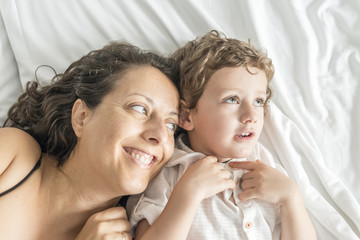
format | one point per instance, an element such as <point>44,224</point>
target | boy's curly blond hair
<point>200,58</point>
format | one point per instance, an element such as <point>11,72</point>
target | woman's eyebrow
<point>142,95</point>
<point>174,114</point>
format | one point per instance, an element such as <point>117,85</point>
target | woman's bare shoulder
<point>17,149</point>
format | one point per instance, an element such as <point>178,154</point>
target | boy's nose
<point>248,114</point>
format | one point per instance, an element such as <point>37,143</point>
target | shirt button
<point>248,225</point>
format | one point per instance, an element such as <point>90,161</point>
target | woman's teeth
<point>145,159</point>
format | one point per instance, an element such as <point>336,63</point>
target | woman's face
<point>130,135</point>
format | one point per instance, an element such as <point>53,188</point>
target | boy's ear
<point>80,113</point>
<point>185,117</point>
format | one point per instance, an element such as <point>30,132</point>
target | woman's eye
<point>232,99</point>
<point>171,126</point>
<point>140,109</point>
<point>259,102</point>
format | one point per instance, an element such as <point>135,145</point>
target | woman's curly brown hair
<point>45,112</point>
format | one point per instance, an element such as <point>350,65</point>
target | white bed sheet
<point>10,85</point>
<point>314,126</point>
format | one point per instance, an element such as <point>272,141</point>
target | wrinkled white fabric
<point>324,193</point>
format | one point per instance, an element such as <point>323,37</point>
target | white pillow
<point>10,85</point>
<point>56,33</point>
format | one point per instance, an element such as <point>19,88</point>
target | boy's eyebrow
<point>240,90</point>
<point>261,92</point>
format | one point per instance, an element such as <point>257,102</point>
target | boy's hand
<point>205,178</point>
<point>266,183</point>
<point>111,223</point>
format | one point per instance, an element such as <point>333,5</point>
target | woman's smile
<point>141,158</point>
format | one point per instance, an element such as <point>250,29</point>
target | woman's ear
<point>185,117</point>
<point>80,112</point>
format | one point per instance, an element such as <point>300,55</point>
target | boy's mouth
<point>248,135</point>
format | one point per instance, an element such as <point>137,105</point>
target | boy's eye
<point>171,126</point>
<point>140,109</point>
<point>259,102</point>
<point>232,99</point>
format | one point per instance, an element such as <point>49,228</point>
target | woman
<point>71,150</point>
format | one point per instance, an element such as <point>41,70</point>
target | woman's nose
<point>156,131</point>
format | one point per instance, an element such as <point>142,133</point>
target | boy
<point>215,187</point>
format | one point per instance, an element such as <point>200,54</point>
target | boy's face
<point>229,116</point>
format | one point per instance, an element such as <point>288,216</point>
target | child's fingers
<point>229,184</point>
<point>248,194</point>
<point>223,178</point>
<point>249,175</point>
<point>225,173</point>
<point>247,165</point>
<point>246,184</point>
<point>224,184</point>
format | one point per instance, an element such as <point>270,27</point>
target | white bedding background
<point>314,125</point>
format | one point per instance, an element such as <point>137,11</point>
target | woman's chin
<point>137,188</point>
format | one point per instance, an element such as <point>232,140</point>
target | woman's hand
<point>205,178</point>
<point>266,183</point>
<point>111,223</point>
